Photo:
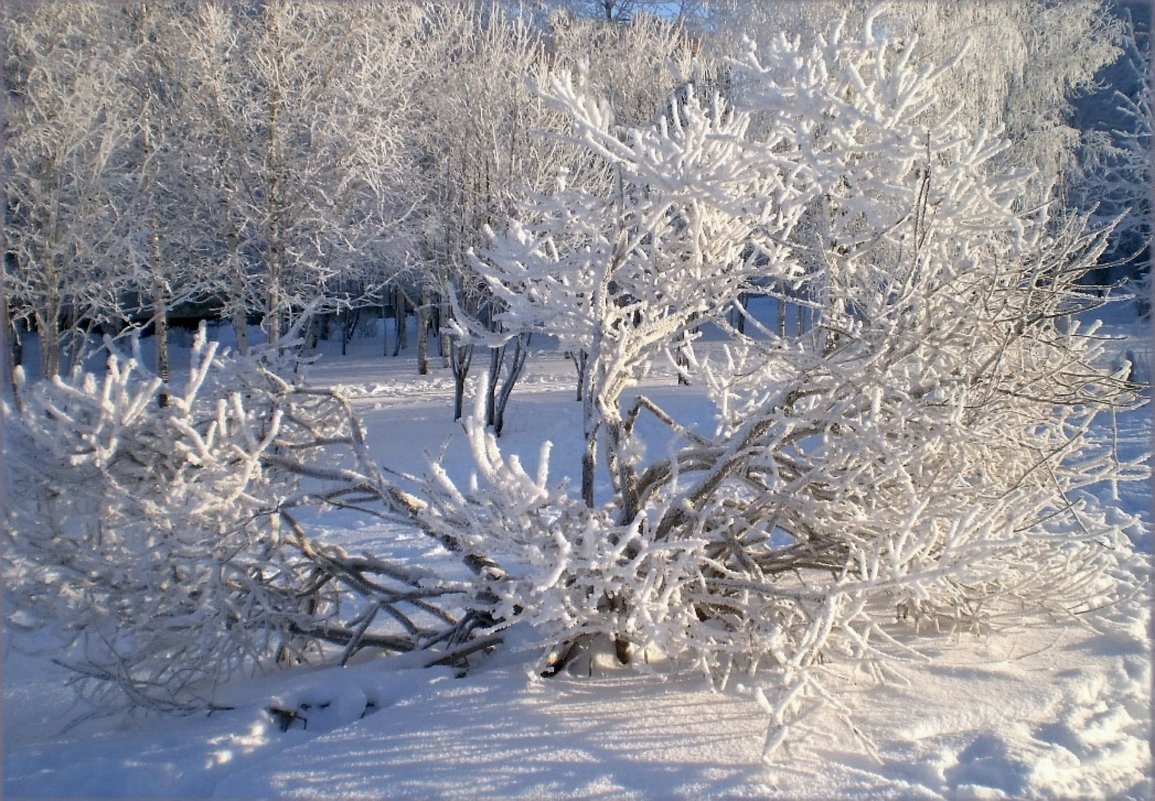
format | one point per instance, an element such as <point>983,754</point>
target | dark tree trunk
<point>495,359</point>
<point>160,334</point>
<point>580,361</point>
<point>516,366</point>
<point>384,328</point>
<point>423,330</point>
<point>399,313</point>
<point>13,350</point>
<point>683,363</point>
<point>460,357</point>
<point>240,318</point>
<point>446,342</point>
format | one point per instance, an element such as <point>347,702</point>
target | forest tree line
<point>293,164</point>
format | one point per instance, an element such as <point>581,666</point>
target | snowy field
<point>1060,711</point>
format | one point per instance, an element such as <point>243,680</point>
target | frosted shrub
<point>164,544</point>
<point>148,543</point>
<point>916,456</point>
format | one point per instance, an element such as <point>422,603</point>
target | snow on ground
<point>1058,712</point>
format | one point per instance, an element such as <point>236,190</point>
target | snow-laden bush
<point>164,544</point>
<point>917,457</point>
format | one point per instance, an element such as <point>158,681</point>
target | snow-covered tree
<point>1024,66</point>
<point>1134,142</point>
<point>476,152</point>
<point>485,151</point>
<point>632,66</point>
<point>1019,66</point>
<point>161,265</point>
<point>621,275</point>
<point>918,457</point>
<point>1115,177</point>
<point>295,115</point>
<point>66,141</point>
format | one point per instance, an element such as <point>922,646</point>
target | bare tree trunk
<point>682,359</point>
<point>12,349</point>
<point>581,360</point>
<point>682,364</point>
<point>160,332</point>
<point>240,318</point>
<point>516,366</point>
<point>590,425</point>
<point>384,327</point>
<point>241,328</point>
<point>274,322</point>
<point>160,308</point>
<point>348,323</point>
<point>446,339</point>
<point>156,262</point>
<point>47,316</point>
<point>495,359</point>
<point>312,333</point>
<point>589,466</point>
<point>423,330</point>
<point>72,341</point>
<point>625,480</point>
<point>399,313</point>
<point>460,358</point>
<point>48,323</point>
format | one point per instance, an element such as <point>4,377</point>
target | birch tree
<point>477,151</point>
<point>1116,165</point>
<point>1020,66</point>
<point>66,142</point>
<point>299,111</point>
<point>161,264</point>
<point>491,155</point>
